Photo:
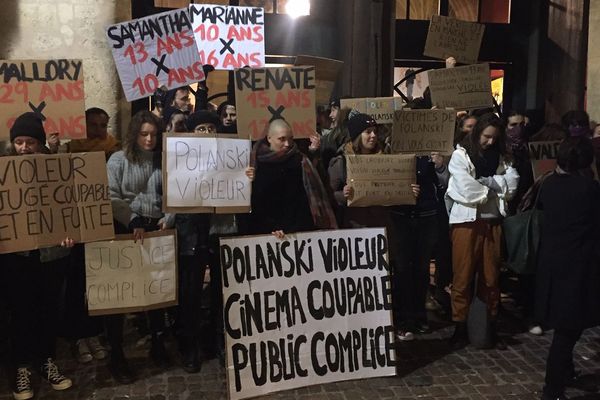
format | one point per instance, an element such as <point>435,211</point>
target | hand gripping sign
<point>155,51</point>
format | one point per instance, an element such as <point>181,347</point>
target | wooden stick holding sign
<point>423,131</point>
<point>449,37</point>
<point>279,309</point>
<point>45,198</point>
<point>381,179</point>
<point>265,94</point>
<point>123,276</point>
<point>53,89</point>
<point>461,88</point>
<point>229,37</point>
<point>155,51</point>
<point>203,174</point>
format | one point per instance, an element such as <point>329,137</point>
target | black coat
<point>279,200</point>
<point>568,276</point>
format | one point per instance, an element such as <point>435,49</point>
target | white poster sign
<point>124,276</point>
<point>155,51</point>
<point>207,172</point>
<point>229,37</point>
<point>312,308</point>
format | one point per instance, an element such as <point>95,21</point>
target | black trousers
<point>559,365</point>
<point>191,281</point>
<point>33,295</point>
<point>443,259</point>
<point>78,323</point>
<point>415,240</point>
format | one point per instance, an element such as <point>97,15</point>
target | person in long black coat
<point>568,277</point>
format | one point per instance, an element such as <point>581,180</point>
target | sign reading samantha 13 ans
<point>155,51</point>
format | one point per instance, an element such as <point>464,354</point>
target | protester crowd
<point>301,185</point>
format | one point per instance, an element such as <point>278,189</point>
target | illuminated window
<point>423,9</point>
<point>466,10</point>
<point>417,9</point>
<point>401,9</point>
<point>413,85</point>
<point>495,11</point>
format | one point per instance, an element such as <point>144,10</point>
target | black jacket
<point>279,200</point>
<point>568,276</point>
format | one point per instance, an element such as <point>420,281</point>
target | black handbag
<point>522,238</point>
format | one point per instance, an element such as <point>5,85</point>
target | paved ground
<point>427,370</point>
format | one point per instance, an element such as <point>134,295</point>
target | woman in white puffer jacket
<point>482,181</point>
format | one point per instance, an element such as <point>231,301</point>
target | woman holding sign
<point>362,130</point>
<point>135,183</point>
<point>34,282</point>
<point>482,181</point>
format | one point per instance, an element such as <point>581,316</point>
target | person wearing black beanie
<point>33,295</point>
<point>202,121</point>
<point>28,125</point>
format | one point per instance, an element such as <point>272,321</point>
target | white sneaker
<point>50,372</point>
<point>404,336</point>
<point>83,351</point>
<point>96,348</point>
<point>536,330</point>
<point>23,389</point>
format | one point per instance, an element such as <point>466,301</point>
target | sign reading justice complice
<point>124,276</point>
<point>312,308</point>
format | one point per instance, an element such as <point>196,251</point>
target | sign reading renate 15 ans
<point>313,308</point>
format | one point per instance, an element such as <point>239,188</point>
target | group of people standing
<point>302,185</point>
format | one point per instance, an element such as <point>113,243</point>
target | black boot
<point>158,353</point>
<point>460,338</point>
<point>191,359</point>
<point>118,366</point>
<point>497,342</point>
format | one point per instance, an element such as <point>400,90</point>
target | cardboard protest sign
<point>423,131</point>
<point>53,89</point>
<point>264,94</point>
<point>461,88</point>
<point>312,308</point>
<point>543,157</point>
<point>449,37</point>
<point>229,37</point>
<point>381,179</point>
<point>206,174</point>
<point>327,71</point>
<point>381,109</point>
<point>123,276</point>
<point>46,198</point>
<point>155,51</point>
